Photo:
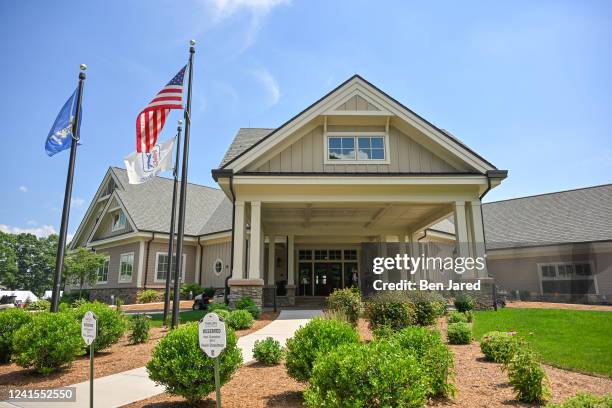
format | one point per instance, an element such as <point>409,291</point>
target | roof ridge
<point>549,193</point>
<point>169,179</point>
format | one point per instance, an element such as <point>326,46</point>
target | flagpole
<point>61,245</point>
<point>172,222</point>
<point>182,202</point>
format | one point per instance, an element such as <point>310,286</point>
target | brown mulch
<point>551,305</point>
<point>110,361</point>
<point>185,304</point>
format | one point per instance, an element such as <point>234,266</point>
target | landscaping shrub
<point>148,296</point>
<point>428,306</point>
<point>389,309</point>
<point>268,351</point>
<point>140,326</point>
<point>469,315</point>
<point>377,374</point>
<point>246,303</point>
<point>111,324</point>
<point>239,319</point>
<point>464,302</point>
<point>382,332</point>
<point>213,307</point>
<point>585,400</point>
<point>48,342</point>
<point>70,298</point>
<point>179,364</point>
<point>222,313</point>
<point>456,317</point>
<point>40,304</point>
<point>347,301</point>
<point>527,377</point>
<point>316,337</point>
<point>193,287</point>
<point>435,357</point>
<point>10,321</point>
<point>459,333</point>
<point>498,346</point>
<point>337,315</point>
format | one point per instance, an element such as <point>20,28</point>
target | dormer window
<point>356,148</point>
<point>119,221</point>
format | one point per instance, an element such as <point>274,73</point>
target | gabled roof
<point>247,139</point>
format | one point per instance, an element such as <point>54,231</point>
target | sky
<point>526,84</point>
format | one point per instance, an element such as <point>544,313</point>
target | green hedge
<point>268,351</point>
<point>390,309</point>
<point>111,323</point>
<point>239,320</point>
<point>348,302</point>
<point>459,333</point>
<point>498,346</point>
<point>10,321</point>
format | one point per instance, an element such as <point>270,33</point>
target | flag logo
<point>150,160</point>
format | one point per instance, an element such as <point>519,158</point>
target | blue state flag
<point>60,135</point>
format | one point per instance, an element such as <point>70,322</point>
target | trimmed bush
<point>377,374</point>
<point>469,315</point>
<point>49,342</point>
<point>498,346</point>
<point>347,301</point>
<point>139,328</point>
<point>459,333</point>
<point>193,287</point>
<point>585,400</point>
<point>148,296</point>
<point>435,357</point>
<point>214,306</point>
<point>10,321</point>
<point>527,377</point>
<point>427,306</point>
<point>319,336</point>
<point>389,309</point>
<point>464,302</point>
<point>222,313</point>
<point>179,364</point>
<point>268,351</point>
<point>40,304</point>
<point>456,317</point>
<point>239,320</point>
<point>246,303</point>
<point>70,298</point>
<point>111,324</point>
<point>337,315</point>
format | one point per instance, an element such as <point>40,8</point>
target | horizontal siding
<point>113,268</point>
<point>190,263</point>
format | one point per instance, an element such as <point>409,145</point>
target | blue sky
<point>526,84</point>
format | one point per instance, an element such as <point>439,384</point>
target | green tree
<point>81,267</point>
<point>35,262</point>
<point>8,261</point>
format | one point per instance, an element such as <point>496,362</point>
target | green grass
<point>575,340</point>
<point>184,317</point>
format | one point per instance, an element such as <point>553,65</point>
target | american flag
<point>151,120</point>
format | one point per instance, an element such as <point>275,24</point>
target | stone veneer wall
<point>128,295</point>
<point>255,292</point>
<point>281,301</point>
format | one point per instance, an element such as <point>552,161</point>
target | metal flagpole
<point>61,245</point>
<point>183,199</point>
<point>172,222</point>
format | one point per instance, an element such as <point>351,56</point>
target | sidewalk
<point>134,385</point>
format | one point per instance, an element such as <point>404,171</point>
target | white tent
<point>22,296</point>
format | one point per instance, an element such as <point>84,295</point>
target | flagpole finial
<point>180,124</point>
<point>192,42</point>
<point>83,67</point>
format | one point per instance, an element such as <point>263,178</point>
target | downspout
<point>201,261</point>
<point>146,274</point>
<point>484,238</point>
<point>226,288</point>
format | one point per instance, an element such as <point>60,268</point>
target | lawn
<point>575,340</point>
<point>157,319</point>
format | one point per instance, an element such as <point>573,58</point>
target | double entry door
<point>321,278</point>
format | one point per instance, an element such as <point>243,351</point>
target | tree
<point>35,262</point>
<point>8,261</point>
<point>81,267</point>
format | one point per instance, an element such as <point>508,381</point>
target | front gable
<point>357,109</point>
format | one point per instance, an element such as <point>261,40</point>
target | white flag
<point>142,167</point>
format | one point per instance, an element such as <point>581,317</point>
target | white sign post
<point>213,340</point>
<point>89,332</point>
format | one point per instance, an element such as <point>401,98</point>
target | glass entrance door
<point>305,279</point>
<point>327,277</point>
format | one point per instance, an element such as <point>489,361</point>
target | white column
<point>414,252</point>
<point>255,246</point>
<point>479,238</point>
<point>271,259</point>
<point>239,241</point>
<point>290,261</point>
<point>461,233</point>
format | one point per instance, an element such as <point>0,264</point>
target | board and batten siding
<point>356,103</point>
<point>210,253</point>
<point>306,155</point>
<point>114,255</point>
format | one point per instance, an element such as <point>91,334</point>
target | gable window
<point>161,267</point>
<point>567,278</point>
<point>103,271</point>
<point>119,221</point>
<point>356,148</point>
<point>126,267</point>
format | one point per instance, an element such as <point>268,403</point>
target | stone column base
<point>240,288</point>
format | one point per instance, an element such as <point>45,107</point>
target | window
<point>567,278</point>
<point>119,221</point>
<point>103,271</point>
<point>126,267</point>
<point>350,254</point>
<point>356,148</point>
<point>161,266</point>
<point>218,267</point>
<point>320,255</point>
<point>335,254</point>
<point>304,255</point>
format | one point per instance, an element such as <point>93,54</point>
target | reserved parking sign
<point>211,334</point>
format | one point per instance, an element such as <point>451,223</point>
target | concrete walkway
<point>134,385</point>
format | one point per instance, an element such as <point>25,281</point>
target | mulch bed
<point>479,384</point>
<point>121,356</point>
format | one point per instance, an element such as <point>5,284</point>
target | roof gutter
<point>484,234</point>
<point>146,274</point>
<point>230,175</point>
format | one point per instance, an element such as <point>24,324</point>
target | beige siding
<point>307,155</point>
<point>357,103</point>
<point>113,268</point>
<point>211,253</point>
<point>190,252</point>
<point>104,230</point>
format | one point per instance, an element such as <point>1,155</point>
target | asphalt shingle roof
<point>149,205</point>
<point>245,138</point>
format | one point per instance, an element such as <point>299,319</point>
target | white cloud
<point>77,202</point>
<point>269,83</point>
<point>23,189</point>
<point>42,231</point>
<point>32,222</point>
